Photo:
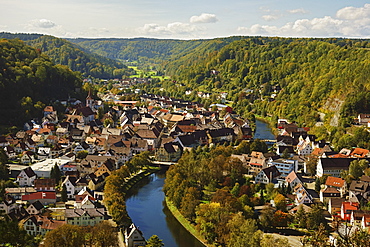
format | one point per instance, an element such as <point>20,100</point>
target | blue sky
<point>193,19</point>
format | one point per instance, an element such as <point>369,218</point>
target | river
<point>146,207</point>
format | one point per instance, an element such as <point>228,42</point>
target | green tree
<point>300,217</point>
<point>267,217</point>
<point>285,154</point>
<point>243,232</point>
<point>56,173</point>
<point>315,218</point>
<point>82,154</point>
<point>280,202</point>
<point>235,190</point>
<point>259,146</point>
<point>64,195</point>
<point>317,185</point>
<point>154,241</point>
<point>13,235</point>
<point>357,167</point>
<point>243,148</point>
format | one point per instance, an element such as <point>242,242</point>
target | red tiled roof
<point>335,182</point>
<point>39,196</point>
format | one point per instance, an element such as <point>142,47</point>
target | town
<point>59,166</point>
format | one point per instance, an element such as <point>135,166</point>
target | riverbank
<point>270,122</point>
<point>185,223</point>
<point>138,177</point>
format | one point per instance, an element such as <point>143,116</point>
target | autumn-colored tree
<point>105,235</point>
<point>227,200</point>
<point>280,202</point>
<point>211,220</point>
<point>65,236</point>
<point>311,165</point>
<point>281,219</point>
<point>189,203</point>
<point>243,232</point>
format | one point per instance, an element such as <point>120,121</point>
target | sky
<point>192,19</point>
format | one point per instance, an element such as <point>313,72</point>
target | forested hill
<point>76,58</point>
<point>282,77</point>
<point>29,80</point>
<point>147,50</point>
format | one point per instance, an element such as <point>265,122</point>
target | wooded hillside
<point>29,80</point>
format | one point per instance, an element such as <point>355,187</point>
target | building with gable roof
<point>26,177</point>
<point>338,183</point>
<point>267,175</point>
<point>40,225</point>
<point>293,179</point>
<point>134,237</point>
<point>85,216</point>
<point>35,208</point>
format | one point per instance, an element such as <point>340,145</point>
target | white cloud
<point>352,13</point>
<point>42,23</point>
<point>175,28</point>
<point>204,18</point>
<point>297,11</point>
<point>270,17</point>
<point>348,22</point>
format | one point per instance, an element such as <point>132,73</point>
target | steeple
<point>89,100</point>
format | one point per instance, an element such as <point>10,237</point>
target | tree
<point>56,173</point>
<point>271,240</point>
<point>243,148</point>
<point>243,232</point>
<point>267,217</point>
<point>315,218</point>
<point>13,235</point>
<point>285,154</point>
<point>357,167</point>
<point>235,190</point>
<point>189,203</point>
<point>211,221</point>
<point>317,185</point>
<point>154,241</point>
<point>65,236</point>
<point>104,235</point>
<point>311,165</point>
<point>82,154</point>
<point>64,195</point>
<point>318,239</point>
<point>300,217</point>
<point>259,146</point>
<point>280,202</point>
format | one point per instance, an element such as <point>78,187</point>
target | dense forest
<point>149,51</point>
<point>29,80</point>
<point>60,51</point>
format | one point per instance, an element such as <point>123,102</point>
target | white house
<point>267,175</point>
<point>26,177</point>
<point>134,237</point>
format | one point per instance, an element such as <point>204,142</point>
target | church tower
<point>89,100</point>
